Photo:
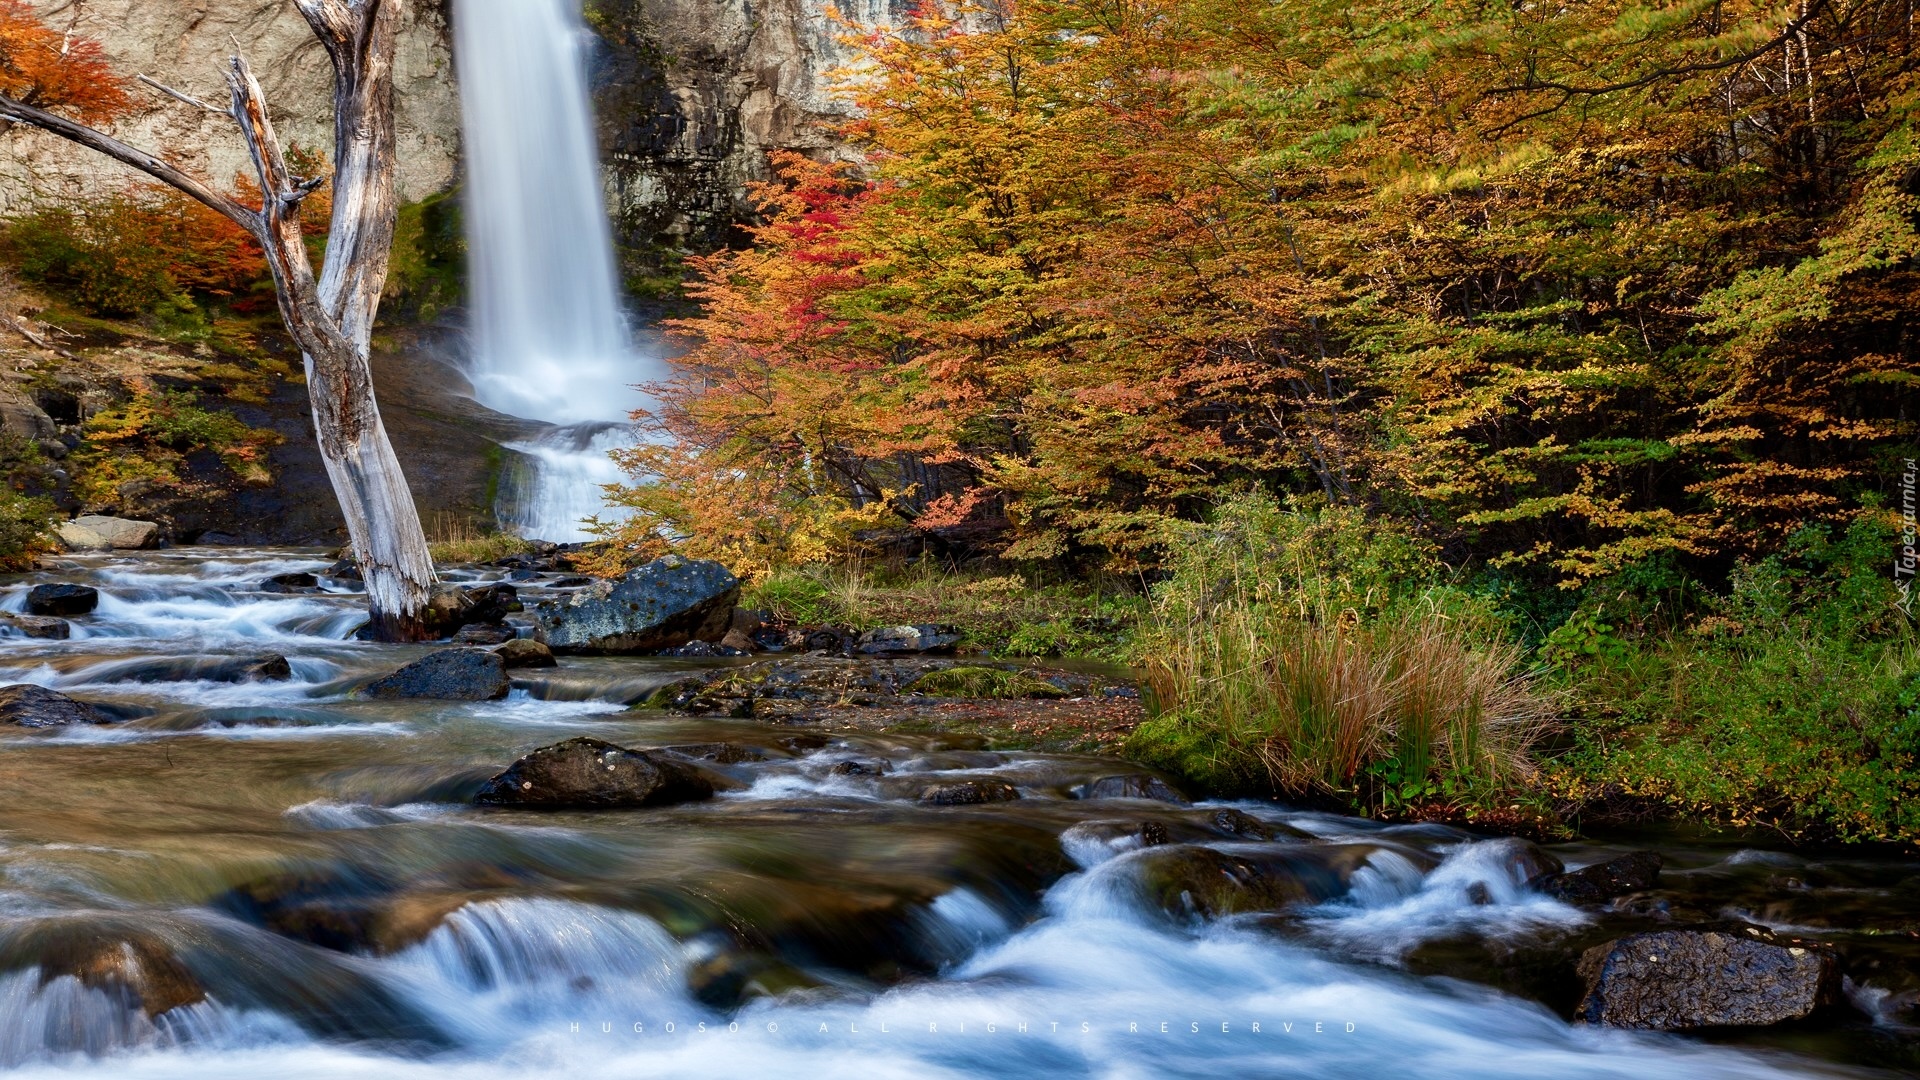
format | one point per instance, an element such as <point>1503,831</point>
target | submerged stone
<point>448,675</point>
<point>290,583</point>
<point>30,706</point>
<point>969,793</point>
<point>128,962</point>
<point>589,774</point>
<point>1200,881</point>
<point>664,604</point>
<point>36,626</point>
<point>1130,786</point>
<point>1678,980</point>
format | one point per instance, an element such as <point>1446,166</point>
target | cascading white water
<point>549,339</point>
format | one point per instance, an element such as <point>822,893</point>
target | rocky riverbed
<point>235,841</point>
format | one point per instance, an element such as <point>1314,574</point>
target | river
<point>299,873</point>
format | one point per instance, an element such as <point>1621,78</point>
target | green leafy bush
<point>1792,701</point>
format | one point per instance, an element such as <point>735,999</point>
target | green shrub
<point>26,527</point>
<point>1792,702</point>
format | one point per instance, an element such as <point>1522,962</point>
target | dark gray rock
<point>30,706</point>
<point>62,599</point>
<point>1633,872</point>
<point>525,653</point>
<point>484,634</point>
<point>664,604</point>
<point>1237,823</point>
<point>453,607</point>
<point>266,667</point>
<point>1678,980</point>
<point>36,626</point>
<point>290,583</point>
<point>1130,786</point>
<point>448,675</point>
<point>588,774</point>
<point>862,768</point>
<point>924,638</point>
<point>969,793</point>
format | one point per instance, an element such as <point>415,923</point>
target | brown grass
<point>1324,705</point>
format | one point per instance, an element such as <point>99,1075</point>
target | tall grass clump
<point>1321,654</point>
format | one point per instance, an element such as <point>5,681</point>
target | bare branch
<point>181,96</point>
<point>333,22</point>
<point>127,155</point>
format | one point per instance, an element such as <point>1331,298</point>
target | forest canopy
<point>1562,287</point>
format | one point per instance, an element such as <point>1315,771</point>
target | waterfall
<point>550,342</point>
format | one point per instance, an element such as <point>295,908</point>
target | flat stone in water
<point>589,774</point>
<point>448,675</point>
<point>1633,872</point>
<point>37,626</point>
<point>30,706</point>
<point>969,793</point>
<point>1130,786</point>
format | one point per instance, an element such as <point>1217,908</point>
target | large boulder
<point>588,774</point>
<point>1632,872</point>
<point>27,705</point>
<point>62,599</point>
<point>448,675</point>
<point>666,603</point>
<point>1677,980</point>
<point>96,532</point>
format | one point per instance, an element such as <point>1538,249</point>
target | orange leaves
<point>42,67</point>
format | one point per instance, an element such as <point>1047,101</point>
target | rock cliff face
<point>693,94</point>
<point>184,43</point>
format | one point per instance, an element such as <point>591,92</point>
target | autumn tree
<point>1562,289</point>
<point>61,85</point>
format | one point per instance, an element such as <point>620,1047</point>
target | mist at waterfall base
<point>550,341</point>
<point>714,939</point>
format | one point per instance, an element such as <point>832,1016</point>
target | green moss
<point>984,682</point>
<point>429,267</point>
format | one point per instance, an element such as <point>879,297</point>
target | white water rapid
<point>550,342</point>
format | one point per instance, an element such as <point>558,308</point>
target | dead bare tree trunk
<point>330,318</point>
